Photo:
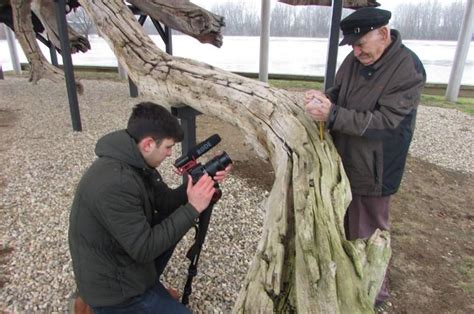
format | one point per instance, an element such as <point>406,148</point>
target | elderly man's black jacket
<point>373,119</point>
<point>112,235</point>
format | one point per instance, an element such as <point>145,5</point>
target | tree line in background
<point>429,20</point>
<point>433,20</point>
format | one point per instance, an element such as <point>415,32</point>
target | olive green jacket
<point>122,218</point>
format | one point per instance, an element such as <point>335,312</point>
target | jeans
<point>154,300</point>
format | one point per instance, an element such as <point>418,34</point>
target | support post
<point>121,71</point>
<point>467,29</point>
<point>169,40</point>
<point>264,41</point>
<point>13,51</point>
<point>187,115</point>
<point>1,73</point>
<point>67,63</point>
<point>132,88</point>
<point>333,45</point>
<point>52,54</point>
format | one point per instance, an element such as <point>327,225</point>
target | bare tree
<point>432,20</point>
<point>81,22</point>
<point>239,17</point>
<point>451,20</point>
<point>282,20</point>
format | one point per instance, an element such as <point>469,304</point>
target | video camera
<point>188,162</point>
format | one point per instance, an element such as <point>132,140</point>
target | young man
<point>371,113</point>
<point>125,221</point>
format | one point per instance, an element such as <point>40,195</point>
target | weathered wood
<point>303,262</point>
<point>45,11</point>
<point>185,17</point>
<point>351,4</point>
<point>40,67</point>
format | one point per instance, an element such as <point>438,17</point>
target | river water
<point>288,55</point>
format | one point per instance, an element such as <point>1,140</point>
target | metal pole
<point>264,41</point>
<point>333,44</point>
<point>13,51</point>
<point>132,88</point>
<point>52,53</point>
<point>169,40</point>
<point>67,63</point>
<point>187,116</point>
<point>467,28</point>
<point>165,35</point>
<point>121,71</point>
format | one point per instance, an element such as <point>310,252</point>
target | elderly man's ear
<point>385,32</point>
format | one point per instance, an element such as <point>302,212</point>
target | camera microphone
<point>197,151</point>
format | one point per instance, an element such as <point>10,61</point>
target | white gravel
<point>42,161</point>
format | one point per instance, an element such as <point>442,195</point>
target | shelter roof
<point>350,4</point>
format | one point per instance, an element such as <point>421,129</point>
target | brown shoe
<point>81,307</point>
<point>173,293</point>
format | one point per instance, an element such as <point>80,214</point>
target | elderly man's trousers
<point>364,215</point>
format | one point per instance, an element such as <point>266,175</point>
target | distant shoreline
<point>297,56</point>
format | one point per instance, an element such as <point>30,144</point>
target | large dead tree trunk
<point>303,262</point>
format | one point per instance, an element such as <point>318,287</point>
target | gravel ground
<point>42,161</point>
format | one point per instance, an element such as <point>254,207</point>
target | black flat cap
<point>362,21</point>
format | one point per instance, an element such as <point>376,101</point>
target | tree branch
<point>40,67</point>
<point>185,17</point>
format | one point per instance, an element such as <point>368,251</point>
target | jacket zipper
<point>376,174</point>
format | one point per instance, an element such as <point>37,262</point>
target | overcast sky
<point>385,4</point>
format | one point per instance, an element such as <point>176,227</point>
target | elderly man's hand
<point>317,105</point>
<point>221,175</point>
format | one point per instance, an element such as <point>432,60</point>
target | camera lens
<point>217,163</point>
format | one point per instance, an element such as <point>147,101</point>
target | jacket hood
<point>121,146</point>
<point>391,50</point>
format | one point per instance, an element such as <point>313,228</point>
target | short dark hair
<point>150,119</point>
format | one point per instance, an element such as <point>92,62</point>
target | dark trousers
<point>364,215</point>
<point>154,300</point>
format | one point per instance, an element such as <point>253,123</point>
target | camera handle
<point>195,251</point>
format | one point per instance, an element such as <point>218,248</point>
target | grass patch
<point>295,84</point>
<point>466,270</point>
<point>463,104</point>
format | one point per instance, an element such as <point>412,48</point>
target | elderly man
<point>370,112</point>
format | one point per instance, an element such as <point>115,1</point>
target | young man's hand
<point>200,194</point>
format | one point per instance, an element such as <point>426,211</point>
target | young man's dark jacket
<point>114,234</point>
<point>373,119</point>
